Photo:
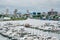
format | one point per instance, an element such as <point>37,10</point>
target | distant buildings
<point>28,14</point>
<point>44,13</point>
<point>7,11</point>
<point>34,14</point>
<point>15,13</point>
<point>51,15</point>
<point>19,15</point>
<point>6,18</point>
<point>52,12</point>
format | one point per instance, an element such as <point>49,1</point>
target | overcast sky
<point>32,5</point>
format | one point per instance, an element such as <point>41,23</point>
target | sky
<point>31,5</point>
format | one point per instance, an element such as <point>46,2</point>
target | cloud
<point>30,4</point>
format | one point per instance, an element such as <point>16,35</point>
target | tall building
<point>27,11</point>
<point>52,12</point>
<point>7,11</point>
<point>15,13</point>
<point>27,14</point>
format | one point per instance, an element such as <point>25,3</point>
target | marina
<point>29,20</point>
<point>28,30</point>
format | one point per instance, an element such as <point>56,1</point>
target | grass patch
<point>18,18</point>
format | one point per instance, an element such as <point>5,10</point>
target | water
<point>34,31</point>
<point>38,32</point>
<point>3,38</point>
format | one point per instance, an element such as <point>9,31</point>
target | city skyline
<point>31,5</point>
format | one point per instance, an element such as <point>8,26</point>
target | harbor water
<point>3,38</point>
<point>33,31</point>
<point>36,32</point>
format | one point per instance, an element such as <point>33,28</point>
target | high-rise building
<point>27,11</point>
<point>15,13</point>
<point>52,12</point>
<point>27,14</point>
<point>7,11</point>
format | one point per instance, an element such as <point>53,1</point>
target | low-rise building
<point>6,18</point>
